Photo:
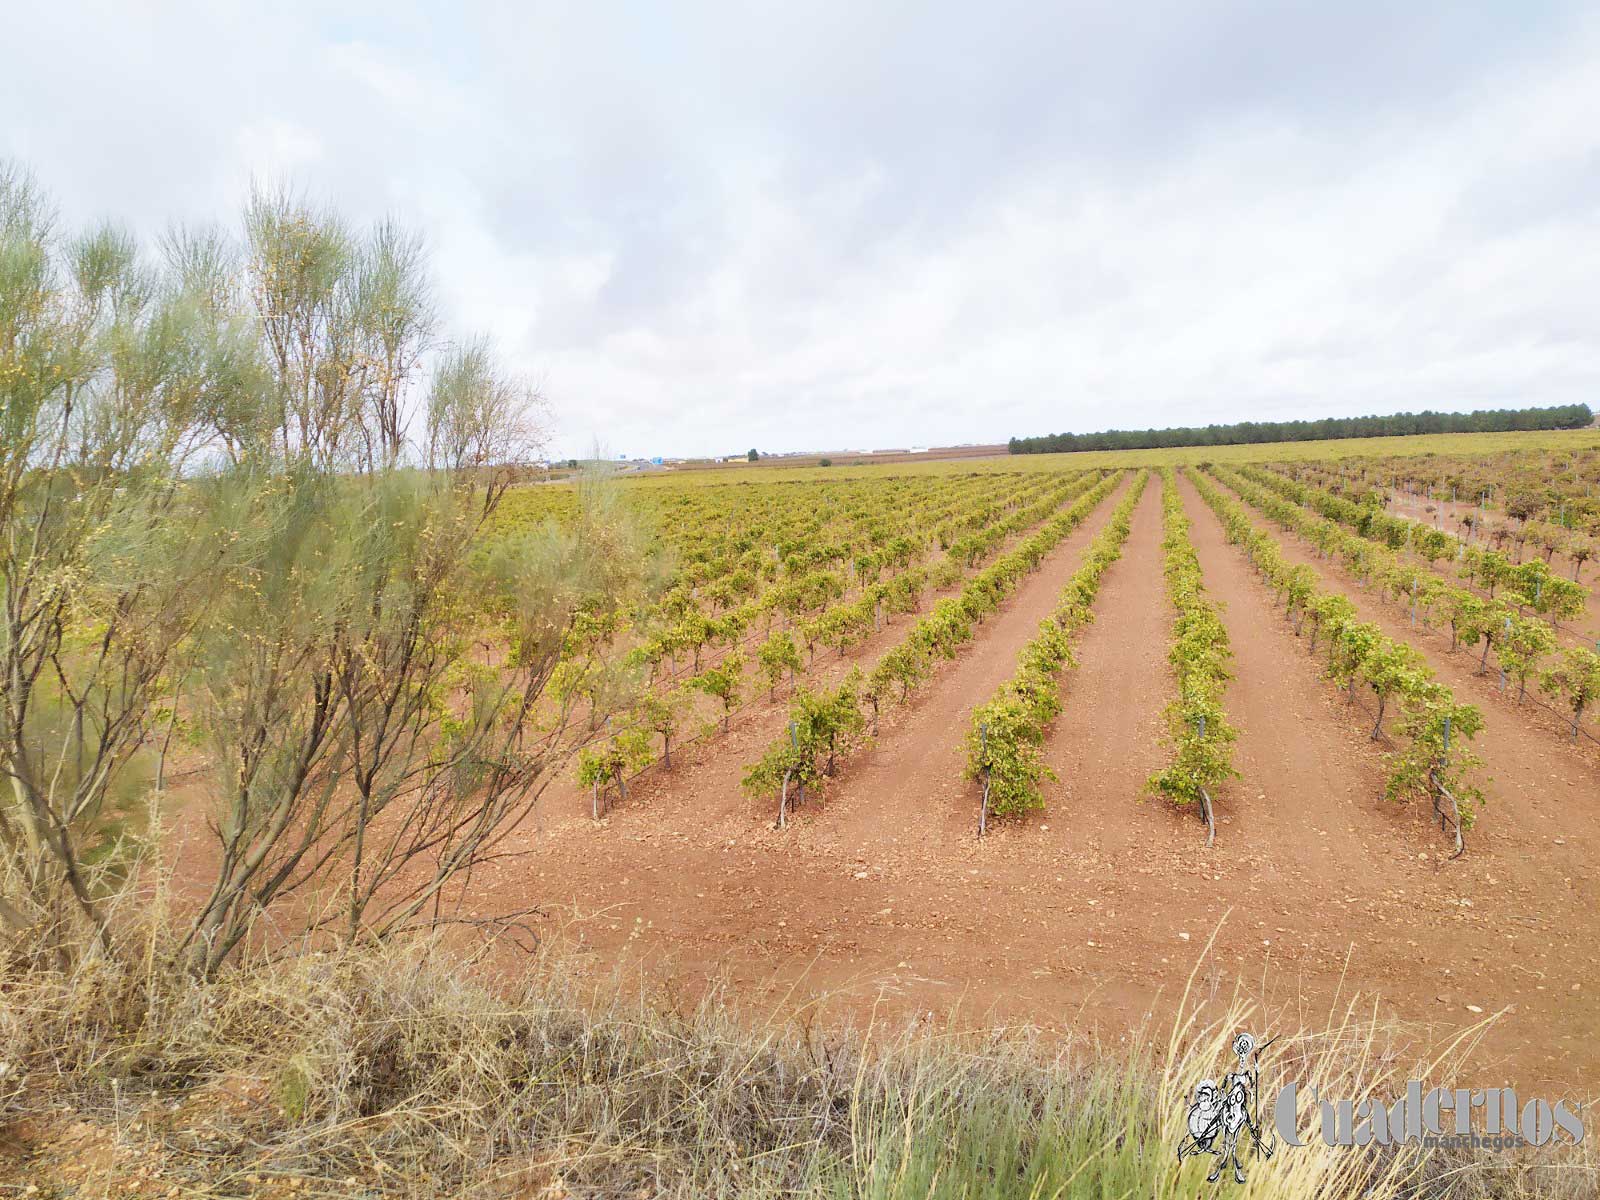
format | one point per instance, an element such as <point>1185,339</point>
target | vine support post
<point>794,741</point>
<point>1444,764</point>
<point>983,753</point>
<point>1453,818</point>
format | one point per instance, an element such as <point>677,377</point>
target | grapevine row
<point>823,724</point>
<point>606,761</point>
<point>1552,495</point>
<point>1535,584</point>
<point>1006,739</point>
<point>1433,758</point>
<point>1522,645</point>
<point>815,600</point>
<point>1197,726</point>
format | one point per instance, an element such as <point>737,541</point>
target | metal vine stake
<point>1454,816</point>
<point>983,754</point>
<point>783,793</point>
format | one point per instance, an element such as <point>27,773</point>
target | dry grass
<point>402,1071</point>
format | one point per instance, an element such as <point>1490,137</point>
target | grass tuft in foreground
<point>400,1071</point>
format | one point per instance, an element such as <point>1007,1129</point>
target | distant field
<point>1378,447</point>
<point>1441,443</point>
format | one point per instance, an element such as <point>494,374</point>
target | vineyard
<point>548,648</point>
<point>1031,736</point>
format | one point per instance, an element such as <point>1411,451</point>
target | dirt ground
<point>1095,913</point>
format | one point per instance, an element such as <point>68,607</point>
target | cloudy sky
<point>702,227</point>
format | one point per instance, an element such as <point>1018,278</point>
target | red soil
<point>882,895</point>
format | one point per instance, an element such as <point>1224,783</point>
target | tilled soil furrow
<point>1108,739</point>
<point>1307,806</point>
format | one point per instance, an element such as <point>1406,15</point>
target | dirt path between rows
<point>1525,926</point>
<point>1108,742</point>
<point>1306,802</point>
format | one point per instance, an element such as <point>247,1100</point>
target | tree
<point>1576,679</point>
<point>1328,611</point>
<point>827,720</point>
<point>1581,552</point>
<point>723,682</point>
<point>777,656</point>
<point>1490,623</point>
<point>905,664</point>
<point>1298,587</point>
<point>211,507</point>
<point>659,714</point>
<point>821,724</point>
<point>1391,668</point>
<point>752,455</point>
<point>1004,746</point>
<point>608,764</point>
<point>113,379</point>
<point>1201,761</point>
<point>1437,752</point>
<point>1465,613</point>
<point>1352,645</point>
<point>1522,650</point>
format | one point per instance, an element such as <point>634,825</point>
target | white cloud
<point>835,226</point>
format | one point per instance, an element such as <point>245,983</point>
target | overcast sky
<point>866,224</point>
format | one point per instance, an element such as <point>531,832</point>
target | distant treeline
<point>1564,416</point>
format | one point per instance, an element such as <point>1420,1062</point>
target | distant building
<point>918,450</point>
